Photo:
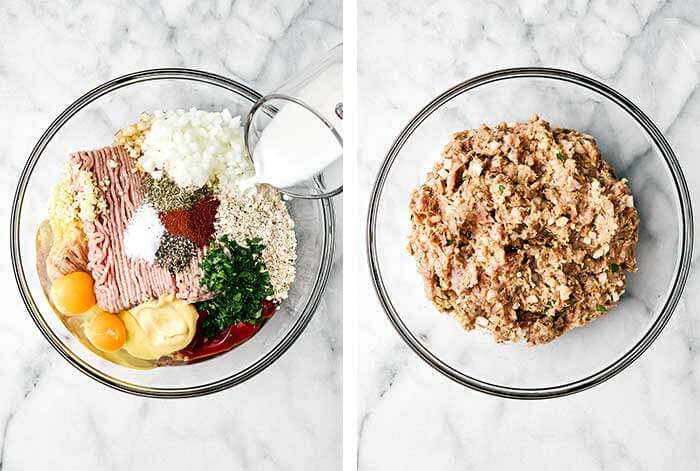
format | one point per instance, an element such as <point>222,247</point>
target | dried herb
<point>561,156</point>
<point>600,308</point>
<point>614,268</point>
<point>165,195</point>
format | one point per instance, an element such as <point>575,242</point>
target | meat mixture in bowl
<point>523,230</point>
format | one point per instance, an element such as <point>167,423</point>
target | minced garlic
<point>90,200</point>
<point>63,208</point>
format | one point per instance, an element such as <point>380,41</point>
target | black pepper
<point>175,252</point>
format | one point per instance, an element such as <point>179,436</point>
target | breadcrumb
<point>261,214</point>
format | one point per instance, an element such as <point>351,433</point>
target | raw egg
<point>106,332</point>
<point>73,293</point>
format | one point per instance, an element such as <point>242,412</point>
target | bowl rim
<point>327,246</point>
<point>682,268</point>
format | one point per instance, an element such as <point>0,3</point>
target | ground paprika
<point>195,224</point>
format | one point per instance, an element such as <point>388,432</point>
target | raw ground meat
<point>122,282</point>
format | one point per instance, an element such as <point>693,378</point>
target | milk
<point>296,145</point>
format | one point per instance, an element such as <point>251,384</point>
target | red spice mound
<point>195,224</point>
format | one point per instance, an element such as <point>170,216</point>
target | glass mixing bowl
<point>585,356</point>
<point>90,123</point>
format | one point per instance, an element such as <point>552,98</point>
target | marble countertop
<point>289,416</point>
<point>410,416</point>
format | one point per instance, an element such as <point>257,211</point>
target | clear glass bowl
<point>90,123</point>
<point>585,356</point>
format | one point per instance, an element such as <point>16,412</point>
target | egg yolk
<point>106,332</point>
<point>73,294</point>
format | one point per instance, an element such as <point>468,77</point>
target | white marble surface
<point>288,417</point>
<point>410,416</point>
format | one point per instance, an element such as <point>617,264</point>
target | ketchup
<point>200,347</point>
<point>268,309</point>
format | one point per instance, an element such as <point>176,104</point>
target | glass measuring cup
<point>296,131</point>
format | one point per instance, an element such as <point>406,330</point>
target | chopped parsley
<point>449,242</point>
<point>501,188</point>
<point>236,275</point>
<point>560,156</point>
<point>600,308</point>
<point>614,268</point>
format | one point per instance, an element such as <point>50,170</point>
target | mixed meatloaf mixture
<point>523,230</point>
